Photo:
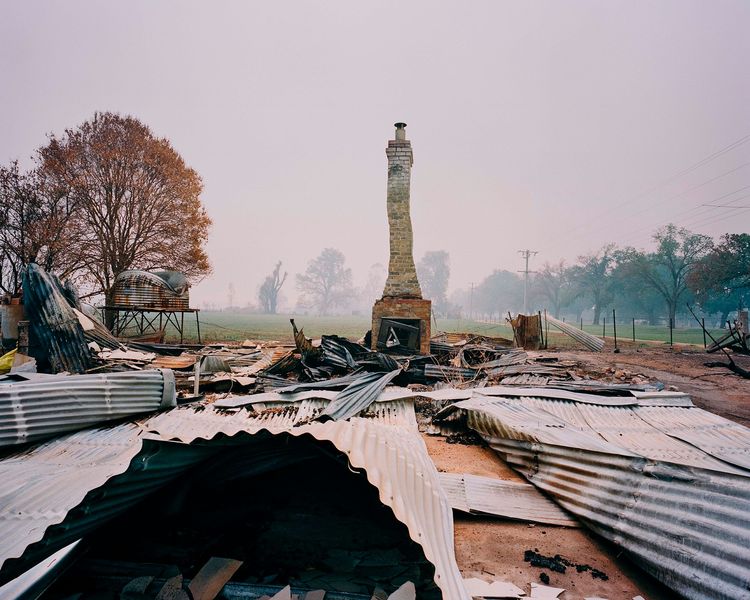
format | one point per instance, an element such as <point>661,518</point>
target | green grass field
<point>226,326</point>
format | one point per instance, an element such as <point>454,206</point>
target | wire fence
<point>225,326</point>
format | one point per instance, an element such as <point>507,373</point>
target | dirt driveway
<point>715,389</point>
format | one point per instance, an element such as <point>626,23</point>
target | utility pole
<point>471,302</point>
<point>526,255</point>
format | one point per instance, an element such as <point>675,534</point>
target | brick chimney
<point>401,318</point>
<point>402,279</point>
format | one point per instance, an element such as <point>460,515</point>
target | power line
<point>723,217</point>
<point>695,187</point>
<point>725,205</point>
<point>744,139</point>
<point>634,235</point>
<point>704,220</point>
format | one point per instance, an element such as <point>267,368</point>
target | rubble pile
<point>301,470</point>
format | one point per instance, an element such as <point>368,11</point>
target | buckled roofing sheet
<point>682,511</point>
<point>45,484</point>
<point>512,499</point>
<point>44,406</point>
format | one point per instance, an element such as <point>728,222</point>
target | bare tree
<point>326,283</point>
<point>268,294</point>
<point>553,284</point>
<point>137,204</point>
<point>35,226</point>
<point>593,278</point>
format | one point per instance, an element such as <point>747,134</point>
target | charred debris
<point>133,469</point>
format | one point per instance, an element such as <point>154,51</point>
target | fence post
<point>604,326</point>
<point>614,328</point>
<point>634,330</point>
<point>581,323</point>
<point>703,326</point>
<point>671,325</point>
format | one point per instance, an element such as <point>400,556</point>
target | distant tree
<point>268,294</point>
<point>726,266</point>
<point>553,285</point>
<point>721,279</point>
<point>326,283</point>
<point>631,297</point>
<point>230,295</point>
<point>500,292</point>
<point>137,204</point>
<point>720,303</point>
<point>35,226</point>
<point>434,272</point>
<point>373,288</point>
<point>666,270</point>
<point>592,277</point>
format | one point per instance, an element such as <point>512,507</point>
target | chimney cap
<point>399,125</point>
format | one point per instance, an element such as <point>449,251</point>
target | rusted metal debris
<point>160,290</point>
<point>527,331</point>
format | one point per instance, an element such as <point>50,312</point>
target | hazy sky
<point>556,126</point>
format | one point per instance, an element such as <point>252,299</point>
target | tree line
<point>685,268</point>
<point>326,286</point>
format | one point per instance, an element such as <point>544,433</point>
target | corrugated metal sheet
<point>46,484</point>
<point>625,397</point>
<point>142,289</point>
<point>56,334</point>
<point>445,373</point>
<point>41,407</point>
<point>681,513</point>
<point>713,434</point>
<point>322,389</point>
<point>184,361</point>
<point>511,499</point>
<point>358,395</point>
<point>526,380</point>
<point>58,492</point>
<point>34,582</point>
<point>590,341</point>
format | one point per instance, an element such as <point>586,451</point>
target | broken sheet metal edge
<point>46,483</point>
<point>511,499</point>
<point>396,392</point>
<point>358,395</point>
<point>689,527</point>
<point>35,581</point>
<point>42,407</point>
